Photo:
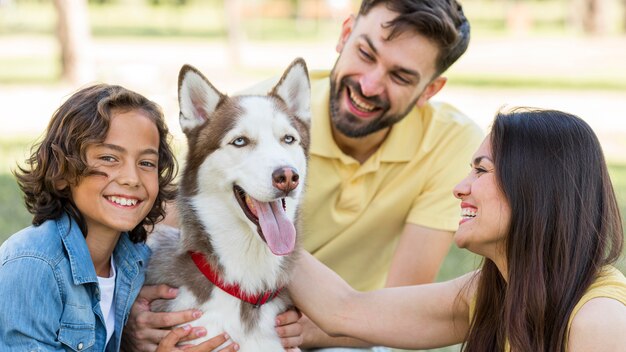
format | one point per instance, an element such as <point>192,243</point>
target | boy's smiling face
<point>122,191</point>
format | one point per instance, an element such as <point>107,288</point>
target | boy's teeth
<point>123,201</point>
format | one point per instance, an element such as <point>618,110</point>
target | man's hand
<point>314,337</point>
<point>289,329</point>
<point>168,343</point>
<point>145,329</point>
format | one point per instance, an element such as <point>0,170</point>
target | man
<point>378,207</point>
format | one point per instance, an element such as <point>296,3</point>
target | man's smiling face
<point>376,81</point>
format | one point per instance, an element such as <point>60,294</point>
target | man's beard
<point>347,123</point>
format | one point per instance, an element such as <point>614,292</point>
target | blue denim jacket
<point>49,296</point>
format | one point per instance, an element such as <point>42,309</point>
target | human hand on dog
<point>289,329</point>
<point>168,344</point>
<point>314,337</point>
<point>145,329</point>
<point>311,333</point>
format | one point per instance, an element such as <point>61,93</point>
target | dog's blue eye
<point>289,139</point>
<point>240,142</point>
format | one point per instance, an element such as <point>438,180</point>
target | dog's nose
<point>285,179</point>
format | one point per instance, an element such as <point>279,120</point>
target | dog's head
<point>248,153</point>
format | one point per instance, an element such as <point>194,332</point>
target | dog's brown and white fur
<point>246,154</point>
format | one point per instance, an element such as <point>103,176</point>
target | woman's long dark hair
<point>84,120</point>
<point>565,226</point>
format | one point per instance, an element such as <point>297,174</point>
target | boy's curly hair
<point>61,158</point>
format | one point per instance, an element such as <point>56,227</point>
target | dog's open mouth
<point>273,224</point>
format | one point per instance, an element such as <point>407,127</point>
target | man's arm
<point>418,256</point>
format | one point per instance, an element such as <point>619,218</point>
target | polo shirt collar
<point>399,146</point>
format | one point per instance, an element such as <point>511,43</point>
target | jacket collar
<point>128,256</point>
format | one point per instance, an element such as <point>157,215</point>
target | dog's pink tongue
<point>279,232</point>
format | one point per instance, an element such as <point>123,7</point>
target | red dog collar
<point>233,290</point>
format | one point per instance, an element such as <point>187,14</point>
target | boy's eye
<point>148,163</point>
<point>108,158</point>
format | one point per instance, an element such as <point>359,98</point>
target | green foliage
<point>618,177</point>
<point>12,152</point>
<point>13,215</point>
<point>41,70</point>
<point>207,17</point>
<point>204,21</point>
<point>615,81</point>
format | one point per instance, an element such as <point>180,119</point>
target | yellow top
<point>354,213</point>
<point>610,284</point>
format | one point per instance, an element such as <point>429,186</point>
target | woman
<point>538,205</point>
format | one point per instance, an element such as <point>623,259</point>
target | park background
<point>562,54</point>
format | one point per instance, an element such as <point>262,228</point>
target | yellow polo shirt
<point>353,214</point>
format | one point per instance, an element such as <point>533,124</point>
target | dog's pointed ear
<point>197,98</point>
<point>295,90</point>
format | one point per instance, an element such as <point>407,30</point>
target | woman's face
<point>485,212</point>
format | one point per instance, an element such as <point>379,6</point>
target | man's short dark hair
<point>441,21</point>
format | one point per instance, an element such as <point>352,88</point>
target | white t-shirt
<point>107,302</point>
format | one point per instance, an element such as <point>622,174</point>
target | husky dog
<point>246,155</point>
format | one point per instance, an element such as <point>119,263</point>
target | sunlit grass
<point>207,18</point>
<point>41,70</point>
<point>611,82</point>
<point>205,21</point>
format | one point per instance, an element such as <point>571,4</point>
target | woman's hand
<point>168,343</point>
